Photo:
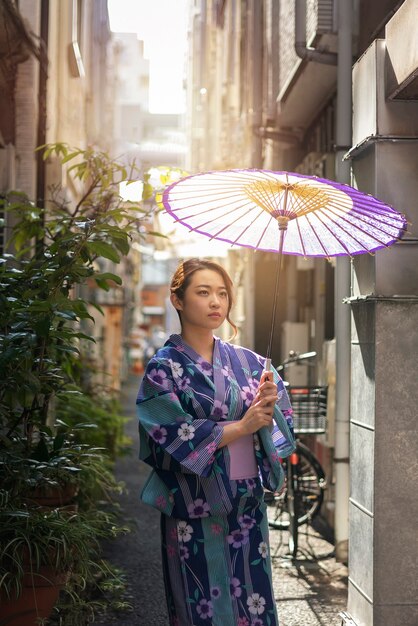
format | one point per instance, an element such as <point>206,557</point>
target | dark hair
<point>183,274</point>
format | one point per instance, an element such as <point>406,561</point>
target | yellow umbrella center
<point>286,201</point>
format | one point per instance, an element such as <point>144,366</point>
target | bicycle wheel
<point>310,489</point>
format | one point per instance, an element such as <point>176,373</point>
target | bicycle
<point>301,498</point>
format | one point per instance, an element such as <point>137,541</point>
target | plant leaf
<point>101,248</point>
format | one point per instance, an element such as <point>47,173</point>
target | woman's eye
<point>202,292</point>
<point>224,294</point>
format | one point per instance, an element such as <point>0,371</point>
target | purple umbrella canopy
<point>318,217</point>
<point>283,212</point>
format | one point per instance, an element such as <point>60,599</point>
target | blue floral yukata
<point>215,545</point>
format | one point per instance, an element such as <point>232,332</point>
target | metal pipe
<point>257,82</point>
<point>42,103</point>
<point>342,288</point>
<point>302,50</point>
<point>203,87</point>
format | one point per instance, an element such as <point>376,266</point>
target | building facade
<point>58,80</point>
<point>267,88</point>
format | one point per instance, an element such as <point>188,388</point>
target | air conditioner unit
<point>325,16</point>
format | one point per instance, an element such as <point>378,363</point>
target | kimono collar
<point>178,342</point>
<point>214,375</point>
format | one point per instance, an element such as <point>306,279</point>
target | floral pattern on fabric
<point>182,404</point>
<point>232,587</point>
<point>215,549</point>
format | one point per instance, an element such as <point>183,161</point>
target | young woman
<point>213,426</point>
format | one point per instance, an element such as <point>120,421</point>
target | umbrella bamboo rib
<point>200,202</point>
<point>356,220</point>
<point>219,232</point>
<point>370,218</point>
<point>204,188</point>
<point>264,231</point>
<point>317,236</point>
<point>246,228</point>
<point>370,208</point>
<point>360,206</point>
<point>265,198</point>
<point>301,202</point>
<point>351,236</point>
<point>332,233</point>
<point>301,238</point>
<point>360,230</point>
<point>216,218</point>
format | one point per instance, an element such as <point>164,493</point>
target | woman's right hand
<point>259,414</point>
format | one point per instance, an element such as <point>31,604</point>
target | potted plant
<point>45,475</point>
<point>41,552</point>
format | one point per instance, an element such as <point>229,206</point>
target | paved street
<point>310,592</point>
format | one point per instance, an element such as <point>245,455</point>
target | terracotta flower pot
<point>40,591</point>
<point>52,495</point>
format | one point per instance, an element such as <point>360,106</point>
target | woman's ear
<point>176,302</point>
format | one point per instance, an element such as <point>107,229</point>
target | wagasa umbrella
<point>283,212</point>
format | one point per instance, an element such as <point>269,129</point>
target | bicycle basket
<point>309,406</point>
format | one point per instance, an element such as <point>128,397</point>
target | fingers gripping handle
<point>267,373</point>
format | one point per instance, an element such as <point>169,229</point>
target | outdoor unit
<point>320,18</point>
<point>325,16</point>
<point>295,337</point>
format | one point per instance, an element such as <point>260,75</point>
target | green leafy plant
<point>58,249</point>
<point>50,545</point>
<point>56,463</point>
<point>58,257</point>
<point>99,407</point>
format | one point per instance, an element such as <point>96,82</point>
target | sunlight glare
<point>162,25</point>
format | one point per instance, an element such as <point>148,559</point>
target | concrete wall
<point>383,585</point>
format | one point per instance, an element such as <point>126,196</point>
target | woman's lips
<point>214,315</point>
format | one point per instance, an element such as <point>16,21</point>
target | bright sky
<point>162,25</point>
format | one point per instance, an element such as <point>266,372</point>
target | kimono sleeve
<point>282,434</point>
<point>170,437</point>
<point>280,442</point>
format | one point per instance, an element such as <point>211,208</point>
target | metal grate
<point>325,16</point>
<point>309,406</point>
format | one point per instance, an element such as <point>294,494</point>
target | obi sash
<point>242,461</point>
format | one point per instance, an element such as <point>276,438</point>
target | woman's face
<point>205,302</point>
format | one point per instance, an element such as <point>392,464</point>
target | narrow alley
<point>310,592</point>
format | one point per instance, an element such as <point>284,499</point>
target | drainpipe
<point>342,287</point>
<point>257,95</point>
<point>302,50</point>
<point>203,87</point>
<point>42,103</point>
